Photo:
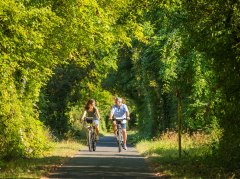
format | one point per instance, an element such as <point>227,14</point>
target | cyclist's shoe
<point>125,147</point>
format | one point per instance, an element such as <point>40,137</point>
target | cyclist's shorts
<point>95,122</point>
<point>123,125</point>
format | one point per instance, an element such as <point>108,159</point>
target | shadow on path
<point>105,162</point>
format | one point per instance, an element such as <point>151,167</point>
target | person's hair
<point>90,101</point>
<point>118,99</point>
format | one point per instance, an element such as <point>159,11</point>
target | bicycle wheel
<point>119,140</point>
<point>89,140</point>
<point>93,141</point>
<point>122,144</point>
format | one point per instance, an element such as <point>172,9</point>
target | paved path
<point>105,162</point>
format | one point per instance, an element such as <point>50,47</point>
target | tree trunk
<point>179,123</point>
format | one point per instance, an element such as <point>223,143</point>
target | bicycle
<point>119,134</point>
<point>91,135</point>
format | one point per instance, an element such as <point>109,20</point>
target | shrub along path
<point>105,162</point>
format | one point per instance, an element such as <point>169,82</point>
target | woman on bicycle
<point>92,111</point>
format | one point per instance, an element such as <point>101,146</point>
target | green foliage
<point>217,36</point>
<point>192,49</point>
<point>55,55</point>
<point>197,160</point>
<point>22,34</point>
<point>40,38</point>
<point>66,94</point>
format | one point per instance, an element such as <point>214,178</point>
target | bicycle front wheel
<point>90,141</point>
<point>119,140</point>
<point>94,141</point>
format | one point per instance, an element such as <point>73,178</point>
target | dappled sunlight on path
<point>105,162</point>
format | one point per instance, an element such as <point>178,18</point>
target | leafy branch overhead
<point>55,55</point>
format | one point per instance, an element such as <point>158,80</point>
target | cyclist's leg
<point>114,125</point>
<point>96,123</point>
<point>87,136</point>
<point>97,129</point>
<point>86,130</point>
<point>124,132</point>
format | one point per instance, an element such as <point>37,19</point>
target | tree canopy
<point>55,55</point>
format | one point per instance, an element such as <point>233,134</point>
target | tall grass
<point>198,156</point>
<point>195,145</point>
<point>37,167</point>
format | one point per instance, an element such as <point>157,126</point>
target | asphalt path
<point>105,162</point>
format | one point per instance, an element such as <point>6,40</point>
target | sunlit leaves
<point>38,36</point>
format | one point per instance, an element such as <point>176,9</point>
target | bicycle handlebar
<point>119,118</point>
<point>88,118</point>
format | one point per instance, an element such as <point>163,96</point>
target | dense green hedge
<point>46,44</point>
<point>192,53</point>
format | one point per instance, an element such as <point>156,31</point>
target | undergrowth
<point>199,155</point>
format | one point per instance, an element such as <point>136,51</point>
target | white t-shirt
<point>120,112</point>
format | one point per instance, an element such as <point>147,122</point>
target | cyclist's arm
<point>127,115</point>
<point>98,114</point>
<point>84,114</point>
<point>111,113</point>
<point>127,112</point>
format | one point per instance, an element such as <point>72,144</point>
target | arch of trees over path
<point>55,55</point>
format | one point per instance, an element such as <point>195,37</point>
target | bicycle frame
<point>91,135</point>
<point>119,133</point>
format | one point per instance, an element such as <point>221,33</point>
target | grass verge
<point>197,160</point>
<point>37,167</point>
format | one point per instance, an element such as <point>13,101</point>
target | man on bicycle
<point>120,110</point>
